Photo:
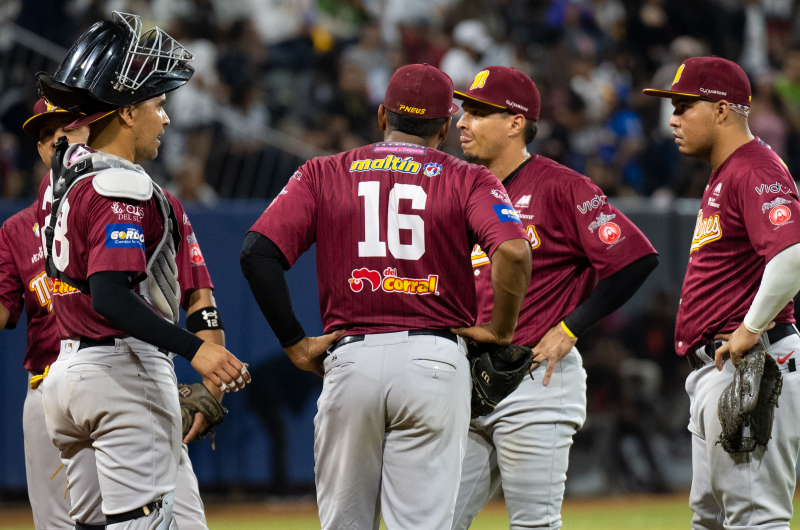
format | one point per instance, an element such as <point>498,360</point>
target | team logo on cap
<point>678,75</point>
<point>479,80</point>
<point>431,169</point>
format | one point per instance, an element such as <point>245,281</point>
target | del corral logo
<point>779,214</point>
<point>124,236</point>
<point>390,163</point>
<point>705,231</point>
<point>391,283</point>
<point>432,169</point>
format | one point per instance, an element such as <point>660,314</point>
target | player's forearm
<point>5,314</point>
<point>114,300</point>
<point>261,262</point>
<point>207,326</point>
<point>780,283</point>
<point>610,294</point>
<point>511,272</point>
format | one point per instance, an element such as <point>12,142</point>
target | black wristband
<point>205,319</point>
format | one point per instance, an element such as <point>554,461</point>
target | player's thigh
<point>427,422</point>
<point>533,459</point>
<point>480,478</point>
<point>188,509</point>
<point>47,481</point>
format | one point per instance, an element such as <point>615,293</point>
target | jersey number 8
<point>372,246</point>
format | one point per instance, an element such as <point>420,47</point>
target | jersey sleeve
<point>113,245</point>
<point>490,217</point>
<point>290,221</point>
<point>771,217</point>
<point>12,291</point>
<point>608,239</point>
<point>192,270</point>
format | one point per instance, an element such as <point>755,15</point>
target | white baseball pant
<point>524,444</point>
<point>390,432</point>
<point>751,490</point>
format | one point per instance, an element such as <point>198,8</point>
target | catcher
<point>736,303</point>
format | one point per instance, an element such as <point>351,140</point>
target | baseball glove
<point>746,407</point>
<point>196,398</point>
<point>496,372</point>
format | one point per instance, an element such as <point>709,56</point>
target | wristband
<point>567,331</point>
<point>204,319</point>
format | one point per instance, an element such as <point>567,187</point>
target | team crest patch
<point>432,169</point>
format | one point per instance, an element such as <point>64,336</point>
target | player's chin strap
<point>115,177</point>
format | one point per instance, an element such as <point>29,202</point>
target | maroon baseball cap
<point>711,78</point>
<point>43,111</point>
<point>422,91</point>
<point>505,88</point>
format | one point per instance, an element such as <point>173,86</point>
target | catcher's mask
<point>114,64</point>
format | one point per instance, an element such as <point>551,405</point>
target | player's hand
<point>200,424</point>
<point>739,342</point>
<point>309,353</point>
<point>220,367</point>
<point>554,346</point>
<point>485,333</point>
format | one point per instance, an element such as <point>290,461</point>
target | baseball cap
<point>505,88</point>
<point>711,78</point>
<point>42,111</point>
<point>421,91</point>
<point>91,118</point>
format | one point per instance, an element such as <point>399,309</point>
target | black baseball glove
<point>746,407</point>
<point>496,372</point>
<point>196,398</point>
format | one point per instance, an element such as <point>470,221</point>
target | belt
<point>445,334</point>
<point>133,514</point>
<point>92,343</point>
<point>705,354</point>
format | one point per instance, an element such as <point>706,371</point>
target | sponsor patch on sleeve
<point>124,236</point>
<point>506,213</point>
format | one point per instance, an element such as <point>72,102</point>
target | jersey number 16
<point>372,246</point>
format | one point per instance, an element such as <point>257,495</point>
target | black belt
<point>780,331</point>
<point>445,334</point>
<point>92,343</point>
<point>133,514</point>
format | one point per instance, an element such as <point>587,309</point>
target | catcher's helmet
<point>114,65</point>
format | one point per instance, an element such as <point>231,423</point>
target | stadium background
<point>280,81</point>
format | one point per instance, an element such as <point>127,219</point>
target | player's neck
<point>112,142</point>
<point>502,166</point>
<point>727,145</point>
<point>397,136</point>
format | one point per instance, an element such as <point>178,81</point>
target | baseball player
<point>588,260</point>
<point>24,282</point>
<point>393,223</point>
<point>110,400</point>
<point>744,270</point>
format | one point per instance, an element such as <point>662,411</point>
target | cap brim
<point>86,120</point>
<point>461,95</point>
<point>454,109</point>
<point>34,123</point>
<point>667,93</point>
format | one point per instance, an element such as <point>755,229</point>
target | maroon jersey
<point>22,278</point>
<point>393,224</point>
<point>749,213</point>
<point>100,234</point>
<point>576,236</point>
<point>192,270</point>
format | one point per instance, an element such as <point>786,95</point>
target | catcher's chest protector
<point>115,177</point>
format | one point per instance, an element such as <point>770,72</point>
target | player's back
<point>394,225</point>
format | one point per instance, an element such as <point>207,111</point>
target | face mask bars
<point>150,53</point>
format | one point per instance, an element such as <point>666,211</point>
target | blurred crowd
<point>316,70</point>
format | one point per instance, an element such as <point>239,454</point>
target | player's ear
<point>721,111</point>
<point>382,117</point>
<point>126,114</point>
<point>516,125</point>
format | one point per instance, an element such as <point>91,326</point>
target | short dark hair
<point>424,128</point>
